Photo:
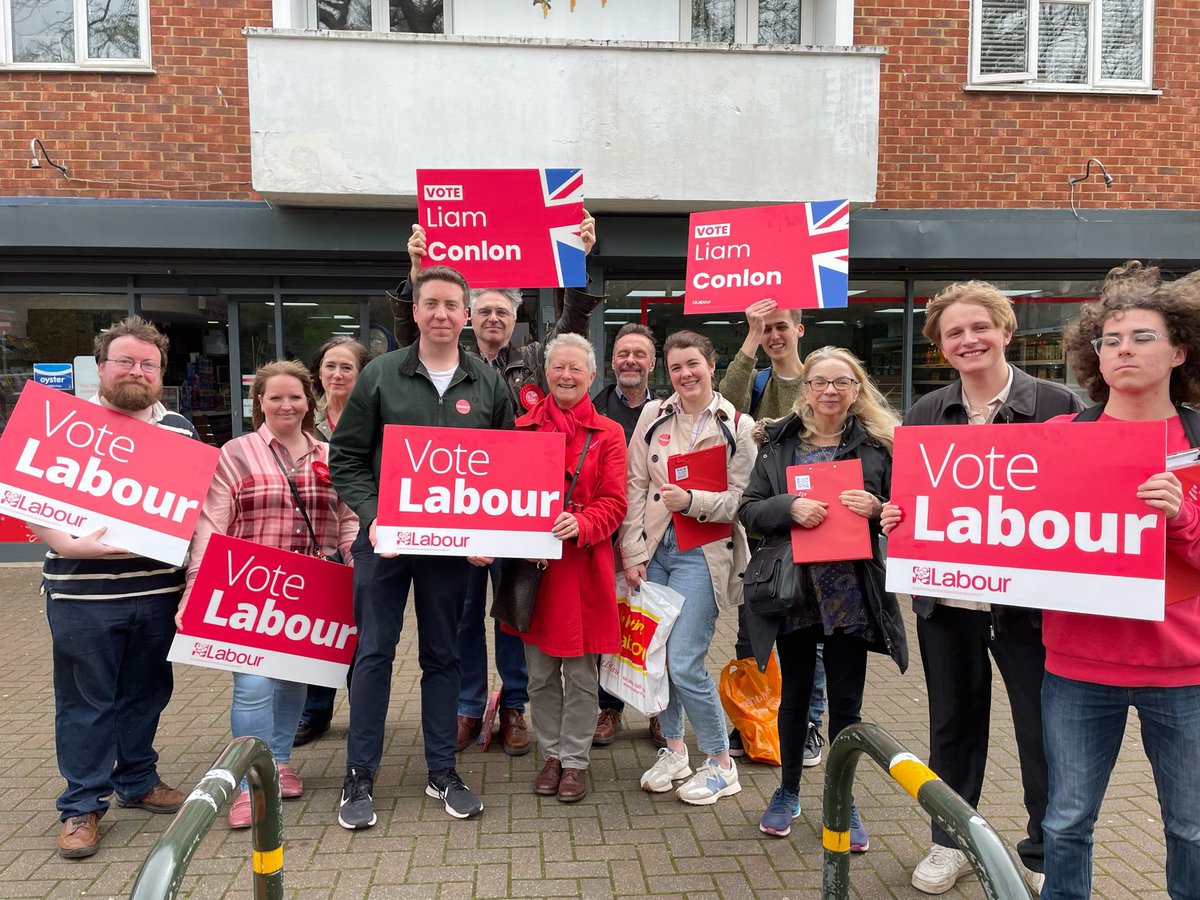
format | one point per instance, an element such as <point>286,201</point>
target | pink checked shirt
<point>250,499</point>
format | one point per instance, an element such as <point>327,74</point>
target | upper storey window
<point>744,21</point>
<point>1072,44</point>
<point>420,16</point>
<point>75,34</point>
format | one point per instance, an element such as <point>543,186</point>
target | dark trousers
<point>845,674</point>
<point>111,683</point>
<point>955,644</point>
<point>380,597</point>
<point>743,650</point>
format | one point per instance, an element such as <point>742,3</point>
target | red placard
<point>1030,515</point>
<point>796,254</point>
<point>504,227</point>
<point>700,470</point>
<point>470,492</point>
<point>1183,579</point>
<point>270,612</point>
<point>79,466</point>
<point>843,534</point>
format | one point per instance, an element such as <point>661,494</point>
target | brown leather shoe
<point>608,723</point>
<point>547,780</point>
<point>514,733</point>
<point>162,798</point>
<point>573,785</point>
<point>656,734</point>
<point>468,730</point>
<point>80,836</point>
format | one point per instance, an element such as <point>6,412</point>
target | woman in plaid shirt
<point>250,499</point>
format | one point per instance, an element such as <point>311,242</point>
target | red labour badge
<point>530,395</point>
<point>322,472</point>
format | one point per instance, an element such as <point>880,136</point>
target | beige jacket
<point>647,518</point>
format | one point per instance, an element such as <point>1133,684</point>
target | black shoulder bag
<point>517,590</point>
<point>336,556</point>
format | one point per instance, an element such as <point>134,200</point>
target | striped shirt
<point>250,499</point>
<point>121,575</point>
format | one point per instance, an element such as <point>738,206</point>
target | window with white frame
<point>747,21</point>
<point>69,34</point>
<point>420,16</point>
<point>1075,44</point>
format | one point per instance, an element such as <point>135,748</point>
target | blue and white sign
<point>56,375</point>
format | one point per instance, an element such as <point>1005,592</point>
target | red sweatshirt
<point>1132,652</point>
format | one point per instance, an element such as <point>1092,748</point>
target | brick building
<point>243,173</point>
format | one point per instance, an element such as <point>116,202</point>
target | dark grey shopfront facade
<point>238,283</point>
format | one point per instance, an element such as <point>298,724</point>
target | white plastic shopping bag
<point>638,674</point>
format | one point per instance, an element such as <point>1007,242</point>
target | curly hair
<point>296,370</point>
<point>869,407</point>
<point>1135,286</point>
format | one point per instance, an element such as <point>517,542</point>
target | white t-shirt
<point>441,379</point>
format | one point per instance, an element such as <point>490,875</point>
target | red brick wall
<point>941,146</point>
<point>182,133</point>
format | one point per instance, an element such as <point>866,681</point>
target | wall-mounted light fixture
<point>34,163</point>
<point>1074,180</point>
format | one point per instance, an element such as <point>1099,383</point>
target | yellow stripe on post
<point>268,862</point>
<point>910,773</point>
<point>835,841</point>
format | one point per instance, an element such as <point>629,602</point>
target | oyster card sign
<point>470,492</point>
<point>1044,516</point>
<point>78,466</point>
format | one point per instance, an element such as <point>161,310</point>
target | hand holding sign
<point>808,513</point>
<point>1163,491</point>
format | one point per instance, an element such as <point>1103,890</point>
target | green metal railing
<point>245,757</point>
<point>998,873</point>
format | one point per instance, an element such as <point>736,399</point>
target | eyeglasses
<point>1111,342</point>
<point>840,385</point>
<point>499,312</point>
<point>125,364</point>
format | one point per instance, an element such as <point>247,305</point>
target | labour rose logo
<point>404,537</point>
<point>530,395</point>
<point>922,575</point>
<point>12,498</point>
<point>322,472</point>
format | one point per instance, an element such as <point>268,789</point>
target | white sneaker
<point>1035,880</point>
<point>710,784</point>
<point>668,768</point>
<point>938,871</point>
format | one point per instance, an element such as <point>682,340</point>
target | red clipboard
<point>844,534</point>
<point>700,470</point>
<point>1182,578</point>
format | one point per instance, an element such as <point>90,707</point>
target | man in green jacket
<point>429,383</point>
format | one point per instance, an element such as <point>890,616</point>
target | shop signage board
<point>1044,516</point>
<point>470,492</point>
<point>504,227</point>
<point>796,254</point>
<point>79,466</point>
<point>269,612</point>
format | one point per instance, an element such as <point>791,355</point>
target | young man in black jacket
<point>972,323</point>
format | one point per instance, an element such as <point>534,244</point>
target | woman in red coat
<point>575,616</point>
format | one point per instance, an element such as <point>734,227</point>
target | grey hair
<point>579,343</point>
<point>512,295</point>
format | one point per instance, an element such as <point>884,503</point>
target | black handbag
<point>517,589</point>
<point>773,584</point>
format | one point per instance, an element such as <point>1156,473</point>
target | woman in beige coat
<point>709,576</point>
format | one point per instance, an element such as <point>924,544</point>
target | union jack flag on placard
<point>504,227</point>
<point>796,254</point>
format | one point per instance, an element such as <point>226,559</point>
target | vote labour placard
<point>270,612</point>
<point>795,254</point>
<point>504,227</point>
<point>470,492</point>
<point>1030,515</point>
<point>78,466</point>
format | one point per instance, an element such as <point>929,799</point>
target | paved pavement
<point>619,841</point>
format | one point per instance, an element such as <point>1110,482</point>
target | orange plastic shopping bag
<point>751,700</point>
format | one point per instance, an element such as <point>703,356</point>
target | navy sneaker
<point>460,800</point>
<point>784,806</point>
<point>859,843</point>
<point>736,747</point>
<point>356,809</point>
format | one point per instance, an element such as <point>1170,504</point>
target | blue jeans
<point>111,683</point>
<point>692,688</point>
<point>473,656</point>
<point>268,709</point>
<point>381,588</point>
<point>1083,727</point>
